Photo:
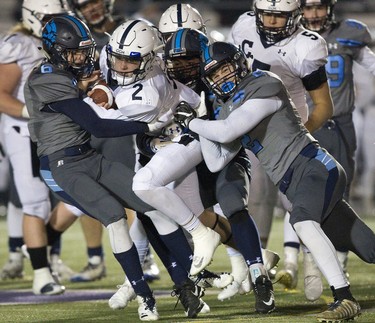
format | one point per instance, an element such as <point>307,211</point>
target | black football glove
<point>184,114</point>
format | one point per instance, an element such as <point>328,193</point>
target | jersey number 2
<point>138,88</point>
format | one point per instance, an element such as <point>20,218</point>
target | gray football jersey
<point>278,138</point>
<point>52,131</point>
<point>344,42</point>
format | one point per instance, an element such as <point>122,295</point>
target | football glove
<point>184,114</point>
<point>202,109</point>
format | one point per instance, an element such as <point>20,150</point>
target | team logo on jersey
<point>332,46</point>
<point>281,52</point>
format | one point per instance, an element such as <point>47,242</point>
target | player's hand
<point>157,125</point>
<point>184,114</point>
<point>84,84</point>
<point>202,109</point>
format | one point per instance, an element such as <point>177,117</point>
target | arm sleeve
<point>238,123</point>
<point>217,155</point>
<point>82,113</point>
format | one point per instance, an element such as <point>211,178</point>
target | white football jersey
<point>155,97</point>
<point>291,59</point>
<point>23,50</point>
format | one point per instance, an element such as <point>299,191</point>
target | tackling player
<point>257,113</point>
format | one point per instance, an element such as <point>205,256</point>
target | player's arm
<point>317,85</point>
<point>366,58</point>
<point>10,77</point>
<point>238,123</point>
<point>216,155</point>
<point>82,113</point>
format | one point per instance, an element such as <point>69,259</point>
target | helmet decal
<point>49,34</point>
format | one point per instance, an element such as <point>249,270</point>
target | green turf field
<point>291,305</point>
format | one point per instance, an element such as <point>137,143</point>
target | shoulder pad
<point>353,33</point>
<point>52,85</point>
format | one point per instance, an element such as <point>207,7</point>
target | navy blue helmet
<point>69,45</point>
<point>230,61</point>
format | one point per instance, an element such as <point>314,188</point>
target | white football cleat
<point>123,296</point>
<point>313,279</point>
<point>208,279</point>
<point>205,243</point>
<point>270,259</point>
<point>64,273</point>
<point>147,308</point>
<point>235,288</point>
<point>13,268</point>
<point>90,273</point>
<point>45,284</point>
<point>288,276</point>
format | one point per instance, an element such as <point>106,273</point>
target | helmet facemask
<point>184,69</point>
<point>231,72</point>
<point>141,66</point>
<point>273,35</point>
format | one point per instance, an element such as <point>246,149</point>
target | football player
<point>61,124</point>
<point>19,53</point>
<point>228,187</point>
<point>257,113</point>
<point>348,42</point>
<point>144,93</point>
<point>273,40</point>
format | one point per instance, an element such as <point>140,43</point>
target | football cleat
<point>313,279</point>
<point>270,259</point>
<point>123,296</point>
<point>264,298</point>
<point>340,311</point>
<point>13,268</point>
<point>147,308</point>
<point>63,272</point>
<point>45,283</point>
<point>205,243</point>
<point>288,276</point>
<point>150,268</point>
<point>90,273</point>
<point>235,288</point>
<point>190,295</point>
<point>208,279</point>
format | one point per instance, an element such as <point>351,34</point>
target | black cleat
<point>264,298</point>
<point>189,295</point>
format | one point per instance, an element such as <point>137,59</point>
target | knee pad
<point>119,236</point>
<point>142,179</point>
<point>38,208</point>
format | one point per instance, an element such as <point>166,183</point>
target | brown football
<point>101,93</point>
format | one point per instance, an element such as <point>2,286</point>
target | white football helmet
<point>318,24</point>
<point>133,41</point>
<point>36,13</point>
<point>286,8</point>
<point>180,16</point>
